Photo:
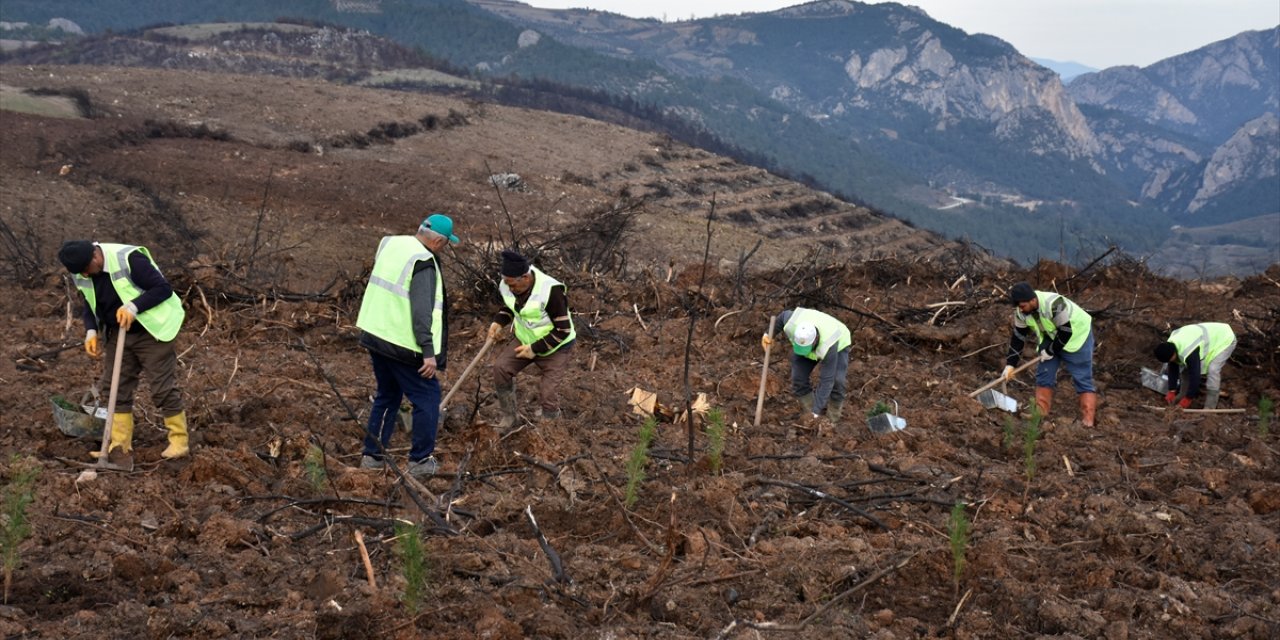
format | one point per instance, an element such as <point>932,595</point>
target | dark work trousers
<point>396,380</point>
<point>554,367</point>
<point>143,353</point>
<point>802,369</point>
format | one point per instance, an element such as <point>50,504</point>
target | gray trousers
<point>830,387</point>
<point>1213,382</point>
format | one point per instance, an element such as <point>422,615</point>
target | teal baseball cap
<point>441,224</point>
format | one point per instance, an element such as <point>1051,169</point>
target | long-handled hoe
<point>126,463</point>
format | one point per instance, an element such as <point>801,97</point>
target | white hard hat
<point>805,335</point>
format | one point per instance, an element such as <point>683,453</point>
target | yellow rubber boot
<point>121,434</point>
<point>178,442</point>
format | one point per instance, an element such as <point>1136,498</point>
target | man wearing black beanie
<point>128,299</point>
<point>537,307</point>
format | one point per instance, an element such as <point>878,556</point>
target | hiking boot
<point>370,462</point>
<point>424,468</point>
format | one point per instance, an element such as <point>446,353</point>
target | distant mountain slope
<point>1065,69</point>
<point>1194,134</point>
<point>1208,93</point>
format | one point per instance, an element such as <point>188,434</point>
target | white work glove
<point>524,351</point>
<point>1045,356</point>
<point>428,368</point>
<point>495,330</point>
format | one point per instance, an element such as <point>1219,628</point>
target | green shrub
<point>715,439</point>
<point>1010,433</point>
<point>19,492</point>
<point>639,458</point>
<point>413,565</point>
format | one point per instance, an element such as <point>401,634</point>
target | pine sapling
<point>880,407</point>
<point>19,492</point>
<point>958,528</point>
<point>413,565</point>
<point>715,439</point>
<point>1266,410</point>
<point>1010,433</point>
<point>313,463</point>
<point>1029,437</point>
<point>639,458</point>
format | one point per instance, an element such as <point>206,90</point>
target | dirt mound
<point>1151,525</point>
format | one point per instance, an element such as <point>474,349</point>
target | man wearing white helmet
<point>816,339</point>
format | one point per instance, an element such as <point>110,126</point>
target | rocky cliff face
<point>1252,154</point>
<point>1196,132</point>
<point>1207,93</point>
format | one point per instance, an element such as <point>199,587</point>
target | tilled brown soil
<point>1151,525</point>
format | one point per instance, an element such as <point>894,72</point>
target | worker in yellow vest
<point>404,324</point>
<point>537,307</point>
<point>1063,333</point>
<point>127,298</point>
<point>817,341</point>
<point>1194,353</point>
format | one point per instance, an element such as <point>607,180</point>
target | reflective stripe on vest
<point>1211,338</point>
<point>831,332</point>
<point>1041,321</point>
<point>531,321</point>
<point>385,311</point>
<point>163,320</point>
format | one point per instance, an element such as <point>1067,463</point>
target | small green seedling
<point>1266,410</point>
<point>19,493</point>
<point>639,458</point>
<point>880,407</point>
<point>958,528</point>
<point>1029,437</point>
<point>314,465</point>
<point>413,565</point>
<point>1010,433</point>
<point>715,439</point>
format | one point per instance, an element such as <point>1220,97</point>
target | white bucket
<point>887,422</point>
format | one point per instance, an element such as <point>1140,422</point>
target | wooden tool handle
<point>111,398</point>
<point>465,372</point>
<point>764,372</point>
<point>1024,367</point>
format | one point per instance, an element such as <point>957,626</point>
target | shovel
<point>126,463</point>
<point>992,399</point>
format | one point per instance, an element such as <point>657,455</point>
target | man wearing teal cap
<point>816,338</point>
<point>404,324</point>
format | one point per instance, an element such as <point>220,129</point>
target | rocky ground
<point>1151,525</point>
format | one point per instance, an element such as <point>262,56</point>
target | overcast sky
<point>1097,33</point>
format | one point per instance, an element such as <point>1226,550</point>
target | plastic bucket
<point>75,421</point>
<point>886,423</point>
<point>1155,381</point>
<point>993,399</point>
